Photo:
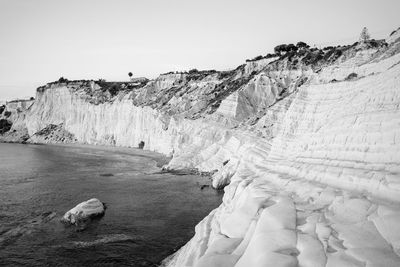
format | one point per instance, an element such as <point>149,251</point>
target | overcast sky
<point>42,40</point>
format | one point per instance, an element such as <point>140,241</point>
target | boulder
<point>84,211</point>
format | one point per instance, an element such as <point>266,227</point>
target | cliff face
<point>307,144</point>
<point>12,120</point>
<point>323,190</point>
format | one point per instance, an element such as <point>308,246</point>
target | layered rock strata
<point>306,147</point>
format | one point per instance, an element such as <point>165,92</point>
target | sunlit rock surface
<point>315,190</point>
<point>306,148</point>
<point>84,211</point>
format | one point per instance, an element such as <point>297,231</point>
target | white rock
<point>83,211</point>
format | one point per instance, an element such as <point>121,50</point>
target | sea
<point>150,213</point>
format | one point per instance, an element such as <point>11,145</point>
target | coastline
<point>319,166</point>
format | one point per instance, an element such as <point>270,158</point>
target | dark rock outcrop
<point>5,126</point>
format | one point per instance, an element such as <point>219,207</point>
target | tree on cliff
<point>280,48</point>
<point>285,48</point>
<point>364,36</point>
<point>62,80</point>
<point>130,75</point>
<point>302,45</point>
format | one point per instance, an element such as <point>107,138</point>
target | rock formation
<point>304,143</point>
<point>84,211</point>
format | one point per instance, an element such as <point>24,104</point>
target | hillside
<point>305,143</point>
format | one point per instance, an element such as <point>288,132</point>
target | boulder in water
<point>84,211</point>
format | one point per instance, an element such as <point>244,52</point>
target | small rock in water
<point>84,211</point>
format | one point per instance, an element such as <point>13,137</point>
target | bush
<point>192,71</point>
<point>302,53</point>
<point>327,48</point>
<point>2,108</point>
<point>62,80</point>
<point>270,55</point>
<point>280,48</point>
<point>7,114</point>
<point>255,59</point>
<point>291,48</point>
<point>302,45</point>
<point>285,48</point>
<point>373,43</point>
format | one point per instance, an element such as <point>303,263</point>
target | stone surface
<point>84,211</point>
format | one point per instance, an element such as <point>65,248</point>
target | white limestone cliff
<point>309,156</point>
<point>323,192</point>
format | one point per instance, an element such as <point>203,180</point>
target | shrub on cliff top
<point>280,48</point>
<point>254,59</point>
<point>192,71</point>
<point>291,48</point>
<point>302,45</point>
<point>285,48</point>
<point>62,80</point>
<point>270,55</point>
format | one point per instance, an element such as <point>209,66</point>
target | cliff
<point>304,143</point>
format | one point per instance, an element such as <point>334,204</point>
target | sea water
<point>149,215</point>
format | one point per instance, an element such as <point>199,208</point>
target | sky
<point>42,40</point>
